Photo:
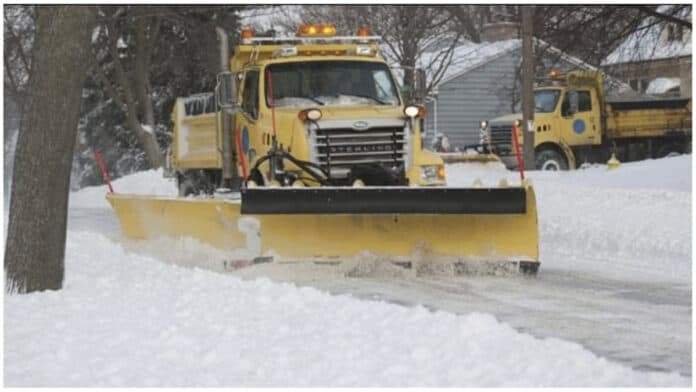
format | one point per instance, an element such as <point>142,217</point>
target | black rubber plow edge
<point>325,200</point>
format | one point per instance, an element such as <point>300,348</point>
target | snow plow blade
<point>456,225</point>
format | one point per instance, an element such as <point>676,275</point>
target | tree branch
<point>646,9</point>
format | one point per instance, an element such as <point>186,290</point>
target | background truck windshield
<point>545,101</point>
<point>332,83</point>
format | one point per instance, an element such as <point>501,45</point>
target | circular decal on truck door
<point>578,126</point>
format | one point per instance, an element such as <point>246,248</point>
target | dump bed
<point>648,118</point>
<point>197,139</point>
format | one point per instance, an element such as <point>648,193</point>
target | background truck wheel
<point>550,160</point>
<point>668,150</point>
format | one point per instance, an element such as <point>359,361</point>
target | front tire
<point>195,182</point>
<point>548,159</point>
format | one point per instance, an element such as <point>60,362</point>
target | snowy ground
<point>611,305</point>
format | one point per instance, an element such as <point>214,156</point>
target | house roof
<point>470,56</point>
<point>645,44</point>
<point>662,85</point>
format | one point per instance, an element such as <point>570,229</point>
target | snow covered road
<point>611,305</point>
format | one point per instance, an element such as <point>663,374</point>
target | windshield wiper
<point>379,101</point>
<point>315,100</point>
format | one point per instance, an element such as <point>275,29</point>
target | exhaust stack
<point>229,157</point>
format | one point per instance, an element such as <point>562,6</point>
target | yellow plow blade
<point>486,237</point>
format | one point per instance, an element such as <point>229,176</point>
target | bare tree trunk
<point>136,98</point>
<point>35,248</point>
<point>142,90</point>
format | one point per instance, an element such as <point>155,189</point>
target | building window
<point>674,32</point>
<point>634,84</point>
<point>639,85</point>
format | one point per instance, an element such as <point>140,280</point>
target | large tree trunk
<point>136,95</point>
<point>35,248</point>
<point>142,91</point>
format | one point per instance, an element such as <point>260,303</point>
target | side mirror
<point>226,91</point>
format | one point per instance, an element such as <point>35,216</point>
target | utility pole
<point>527,128</point>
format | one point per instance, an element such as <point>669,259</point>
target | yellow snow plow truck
<point>307,152</point>
<point>574,123</point>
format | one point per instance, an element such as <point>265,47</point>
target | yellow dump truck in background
<point>361,130</point>
<point>574,123</point>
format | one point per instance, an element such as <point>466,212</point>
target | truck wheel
<point>194,182</point>
<point>186,185</point>
<point>668,150</point>
<point>548,159</point>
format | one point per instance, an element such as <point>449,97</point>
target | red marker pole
<point>271,100</point>
<point>520,164</point>
<point>240,149</point>
<point>105,175</point>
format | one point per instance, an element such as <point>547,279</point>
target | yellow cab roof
<point>261,55</point>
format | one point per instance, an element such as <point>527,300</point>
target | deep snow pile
<point>124,319</point>
<point>149,182</point>
<point>633,222</point>
<point>127,320</point>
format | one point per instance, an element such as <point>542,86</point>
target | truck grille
<point>343,148</point>
<point>501,138</point>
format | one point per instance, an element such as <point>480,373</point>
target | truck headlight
<point>411,111</point>
<point>433,172</point>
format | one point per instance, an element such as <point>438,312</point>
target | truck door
<point>249,138</point>
<point>579,122</point>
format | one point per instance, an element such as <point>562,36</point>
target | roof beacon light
<point>555,73</point>
<point>363,32</point>
<point>247,33</point>
<point>326,30</point>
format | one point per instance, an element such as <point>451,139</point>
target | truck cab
<point>330,101</point>
<point>564,117</point>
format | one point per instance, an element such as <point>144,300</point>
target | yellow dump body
<point>501,237</point>
<point>197,141</point>
<point>646,122</point>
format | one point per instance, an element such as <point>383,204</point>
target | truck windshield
<point>545,101</point>
<point>332,83</point>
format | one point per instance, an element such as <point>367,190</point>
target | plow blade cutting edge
<point>400,224</point>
